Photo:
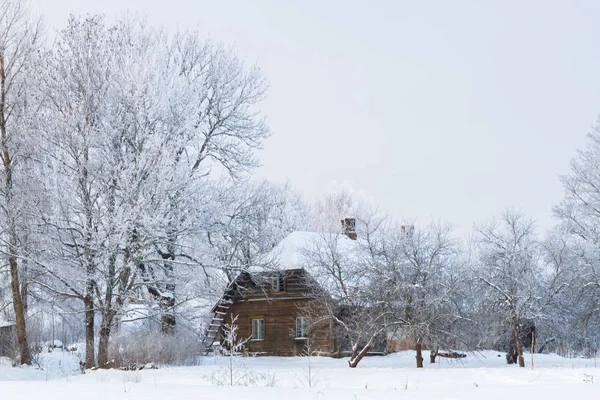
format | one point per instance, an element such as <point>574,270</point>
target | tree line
<point>507,287</point>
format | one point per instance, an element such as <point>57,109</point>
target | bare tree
<point>411,272</point>
<point>579,213</point>
<point>233,346</point>
<point>19,42</point>
<point>219,98</point>
<point>135,121</point>
<point>348,284</point>
<point>251,219</point>
<point>509,267</point>
<point>391,280</point>
<point>78,80</point>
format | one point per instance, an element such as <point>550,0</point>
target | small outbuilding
<point>8,338</point>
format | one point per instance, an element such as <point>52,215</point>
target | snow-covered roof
<point>310,251</point>
<point>288,253</point>
<point>292,252</point>
<point>317,252</point>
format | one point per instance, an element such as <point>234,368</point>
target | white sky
<point>449,110</point>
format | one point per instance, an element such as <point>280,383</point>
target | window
<point>302,324</point>
<point>258,329</point>
<point>277,283</point>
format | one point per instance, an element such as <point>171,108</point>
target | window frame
<point>260,334</point>
<point>280,279</point>
<point>302,326</point>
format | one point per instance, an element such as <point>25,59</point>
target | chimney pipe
<point>349,227</point>
<point>407,230</point>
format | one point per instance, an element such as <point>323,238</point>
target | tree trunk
<point>90,269</point>
<point>11,222</point>
<point>515,329</point>
<point>103,361</point>
<point>433,354</point>
<point>546,342</point>
<point>354,352</point>
<point>355,359</point>
<point>168,305</point>
<point>108,315</point>
<point>24,285</point>
<point>166,296</point>
<point>167,302</point>
<point>89,332</point>
<point>419,355</point>
<point>168,322</point>
<point>19,314</point>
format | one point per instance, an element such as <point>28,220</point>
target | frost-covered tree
<point>579,214</point>
<point>339,265</point>
<point>333,261</point>
<point>412,270</point>
<point>509,269</point>
<point>79,77</point>
<point>563,324</point>
<point>135,122</point>
<point>391,280</point>
<point>252,218</point>
<point>221,129</point>
<point>19,43</point>
<point>233,346</point>
<point>580,209</point>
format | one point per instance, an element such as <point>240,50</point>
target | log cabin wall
<point>254,298</point>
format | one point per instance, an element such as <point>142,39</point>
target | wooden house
<point>273,311</point>
<point>280,311</point>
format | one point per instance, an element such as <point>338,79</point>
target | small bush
<point>241,375</point>
<point>136,349</point>
<point>132,377</point>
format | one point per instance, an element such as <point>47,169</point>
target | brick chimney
<point>349,227</point>
<point>407,230</point>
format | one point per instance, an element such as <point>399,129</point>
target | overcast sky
<point>449,110</point>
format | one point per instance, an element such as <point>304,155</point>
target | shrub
<point>136,349</point>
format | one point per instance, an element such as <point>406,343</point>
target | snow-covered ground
<point>483,376</point>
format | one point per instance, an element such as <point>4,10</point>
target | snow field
<point>483,376</point>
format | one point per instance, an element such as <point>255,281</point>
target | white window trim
<point>277,284</point>
<point>253,339</point>
<point>306,321</point>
